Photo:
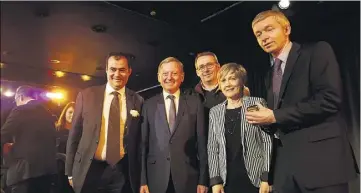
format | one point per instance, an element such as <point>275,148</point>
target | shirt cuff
<point>70,177</point>
<point>215,180</point>
<point>264,177</point>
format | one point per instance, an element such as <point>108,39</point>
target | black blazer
<point>85,132</point>
<point>308,116</point>
<point>31,127</point>
<point>182,154</point>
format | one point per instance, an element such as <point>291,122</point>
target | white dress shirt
<point>167,102</point>
<point>108,97</point>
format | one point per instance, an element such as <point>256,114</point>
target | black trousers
<point>33,185</point>
<point>285,182</point>
<point>104,178</point>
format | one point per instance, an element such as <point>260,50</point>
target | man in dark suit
<point>174,154</point>
<point>103,150</point>
<point>31,160</point>
<point>304,96</point>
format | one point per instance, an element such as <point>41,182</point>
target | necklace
<point>232,119</point>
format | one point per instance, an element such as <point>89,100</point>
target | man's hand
<point>265,188</point>
<point>144,189</point>
<point>7,148</point>
<point>263,116</point>
<point>202,189</point>
<point>71,182</point>
<point>218,188</point>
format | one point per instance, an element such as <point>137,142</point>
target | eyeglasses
<point>209,66</point>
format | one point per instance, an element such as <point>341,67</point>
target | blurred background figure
<point>63,126</point>
<point>31,159</point>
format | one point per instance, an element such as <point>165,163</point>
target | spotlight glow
<point>54,95</point>
<point>284,4</point>
<point>59,74</point>
<point>85,77</point>
<point>9,93</point>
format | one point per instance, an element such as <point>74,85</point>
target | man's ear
<point>288,30</point>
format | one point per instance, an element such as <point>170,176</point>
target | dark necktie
<point>276,81</point>
<point>113,137</point>
<point>172,113</point>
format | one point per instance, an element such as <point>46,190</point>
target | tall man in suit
<point>304,96</point>
<point>103,145</point>
<point>174,153</point>
<point>32,158</point>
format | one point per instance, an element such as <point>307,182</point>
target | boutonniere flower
<point>134,113</point>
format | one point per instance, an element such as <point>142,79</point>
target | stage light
<point>85,77</point>
<point>9,93</point>
<point>59,74</point>
<point>54,61</point>
<point>55,95</point>
<point>284,4</point>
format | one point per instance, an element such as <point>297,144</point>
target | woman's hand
<point>265,187</point>
<point>217,188</point>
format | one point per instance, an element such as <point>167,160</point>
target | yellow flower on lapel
<point>134,113</point>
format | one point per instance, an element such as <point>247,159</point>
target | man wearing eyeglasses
<point>207,67</point>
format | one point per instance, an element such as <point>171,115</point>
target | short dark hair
<point>117,56</point>
<point>26,91</point>
<point>207,53</point>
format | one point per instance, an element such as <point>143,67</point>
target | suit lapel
<point>130,102</point>
<point>291,60</point>
<point>160,112</point>
<point>99,94</point>
<point>181,109</point>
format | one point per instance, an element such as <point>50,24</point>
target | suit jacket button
<point>168,158</point>
<point>171,142</point>
<point>97,141</point>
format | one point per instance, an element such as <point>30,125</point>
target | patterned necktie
<point>113,137</point>
<point>276,81</point>
<point>172,113</point>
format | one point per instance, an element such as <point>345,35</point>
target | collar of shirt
<point>283,56</point>
<point>176,94</point>
<point>209,89</point>
<point>109,89</point>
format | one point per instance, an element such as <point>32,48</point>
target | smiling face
<point>231,85</point>
<point>231,79</point>
<point>170,76</point>
<point>271,35</point>
<point>207,67</point>
<point>118,72</point>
